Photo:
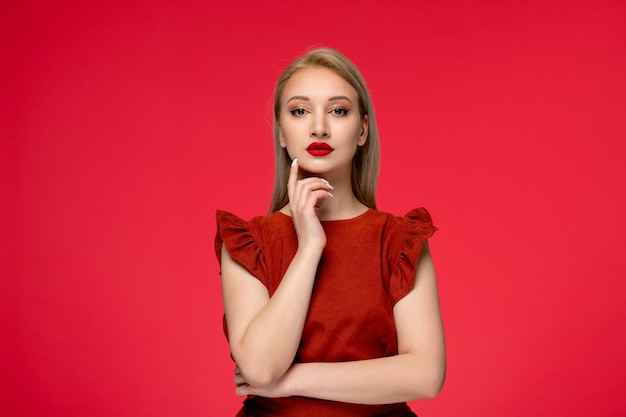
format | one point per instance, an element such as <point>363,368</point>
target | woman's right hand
<point>305,198</point>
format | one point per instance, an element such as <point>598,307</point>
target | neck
<point>340,209</point>
<point>343,204</point>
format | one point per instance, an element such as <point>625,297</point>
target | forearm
<point>269,343</point>
<point>386,380</point>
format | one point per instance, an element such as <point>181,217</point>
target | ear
<point>364,130</point>
<point>281,137</point>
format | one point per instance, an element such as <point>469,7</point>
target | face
<point>320,122</point>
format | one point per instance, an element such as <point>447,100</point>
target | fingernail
<point>294,162</point>
<point>327,183</point>
<point>330,194</point>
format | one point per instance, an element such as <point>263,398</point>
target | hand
<point>306,196</point>
<point>239,381</point>
<point>277,389</point>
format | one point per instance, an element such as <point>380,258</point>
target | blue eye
<point>339,111</point>
<point>299,112</point>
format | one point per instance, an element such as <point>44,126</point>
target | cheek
<point>354,131</point>
<point>290,133</point>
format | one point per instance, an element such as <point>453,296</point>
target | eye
<point>339,111</point>
<point>298,112</point>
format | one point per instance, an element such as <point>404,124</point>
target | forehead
<point>318,83</point>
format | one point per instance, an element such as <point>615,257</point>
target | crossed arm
<point>264,334</point>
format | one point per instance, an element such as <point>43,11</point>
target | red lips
<point>319,149</point>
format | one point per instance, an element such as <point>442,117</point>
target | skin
<point>320,106</point>
<point>264,332</point>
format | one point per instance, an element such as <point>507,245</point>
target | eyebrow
<point>305,98</point>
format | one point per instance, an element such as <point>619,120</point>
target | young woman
<point>331,306</point>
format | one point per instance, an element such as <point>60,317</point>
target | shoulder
<point>228,220</point>
<point>416,221</point>
<point>263,230</point>
<point>404,238</point>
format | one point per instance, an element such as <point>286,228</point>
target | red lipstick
<point>319,149</point>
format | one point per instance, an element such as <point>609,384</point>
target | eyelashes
<point>298,112</point>
<point>335,111</point>
<point>339,111</point>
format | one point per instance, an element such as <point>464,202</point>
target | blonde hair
<point>366,161</point>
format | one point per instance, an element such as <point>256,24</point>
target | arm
<point>418,371</point>
<point>264,333</point>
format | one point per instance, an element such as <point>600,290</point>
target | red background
<point>125,124</point>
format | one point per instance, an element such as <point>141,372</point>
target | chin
<point>320,168</point>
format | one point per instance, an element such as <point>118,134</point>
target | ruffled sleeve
<point>242,244</point>
<point>418,226</point>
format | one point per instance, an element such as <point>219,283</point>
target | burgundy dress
<point>368,264</point>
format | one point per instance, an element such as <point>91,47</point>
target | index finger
<point>293,178</point>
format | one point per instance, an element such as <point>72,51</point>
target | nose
<point>319,127</point>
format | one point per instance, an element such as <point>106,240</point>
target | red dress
<point>368,264</point>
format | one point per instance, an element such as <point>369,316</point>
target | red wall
<point>125,124</point>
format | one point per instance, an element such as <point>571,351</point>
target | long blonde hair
<point>366,161</point>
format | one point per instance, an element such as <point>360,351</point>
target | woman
<point>331,306</point>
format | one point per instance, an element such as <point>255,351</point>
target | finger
<point>293,178</point>
<point>304,188</point>
<point>313,183</point>
<point>317,197</point>
<point>239,380</point>
<point>242,390</point>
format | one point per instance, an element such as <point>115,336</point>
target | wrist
<point>295,385</point>
<point>311,248</point>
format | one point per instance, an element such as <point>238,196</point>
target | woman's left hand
<point>276,389</point>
